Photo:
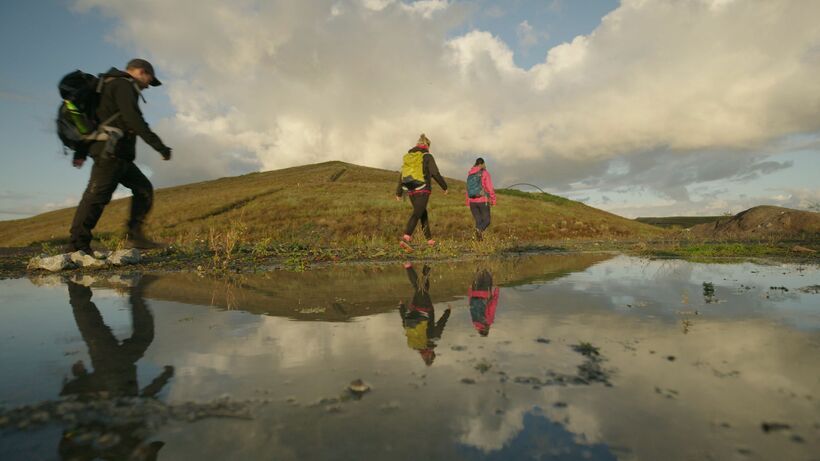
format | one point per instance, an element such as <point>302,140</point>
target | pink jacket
<point>486,183</point>
<point>489,314</point>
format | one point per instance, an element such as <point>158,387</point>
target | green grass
<point>541,196</point>
<point>331,205</point>
<point>706,251</point>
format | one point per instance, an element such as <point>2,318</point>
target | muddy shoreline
<point>13,261</point>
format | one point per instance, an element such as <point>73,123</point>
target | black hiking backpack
<point>77,123</point>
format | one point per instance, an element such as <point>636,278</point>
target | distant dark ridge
<point>684,222</point>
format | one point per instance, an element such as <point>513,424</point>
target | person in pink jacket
<point>480,196</point>
<point>483,298</point>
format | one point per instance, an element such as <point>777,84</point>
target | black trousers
<point>106,174</point>
<point>481,214</point>
<point>419,202</point>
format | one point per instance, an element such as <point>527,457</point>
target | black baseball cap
<point>138,63</point>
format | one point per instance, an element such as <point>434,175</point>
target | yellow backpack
<point>412,170</point>
<point>417,335</point>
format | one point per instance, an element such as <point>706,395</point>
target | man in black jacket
<point>114,159</point>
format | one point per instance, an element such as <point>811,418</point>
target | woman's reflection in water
<point>483,298</point>
<point>419,317</point>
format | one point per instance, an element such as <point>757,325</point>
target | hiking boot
<point>138,240</point>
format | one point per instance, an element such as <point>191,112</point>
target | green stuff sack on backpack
<point>412,171</point>
<point>77,123</point>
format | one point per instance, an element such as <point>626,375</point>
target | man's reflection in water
<point>114,375</point>
<point>483,301</point>
<point>419,317</point>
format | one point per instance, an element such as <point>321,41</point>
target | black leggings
<point>419,202</point>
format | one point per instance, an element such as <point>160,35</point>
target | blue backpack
<point>474,187</point>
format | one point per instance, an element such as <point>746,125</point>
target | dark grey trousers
<point>481,214</point>
<point>106,174</point>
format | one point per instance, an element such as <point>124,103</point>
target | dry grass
<point>332,204</point>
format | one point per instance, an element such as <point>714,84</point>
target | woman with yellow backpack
<point>417,169</point>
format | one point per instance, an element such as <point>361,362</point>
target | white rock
<point>50,280</point>
<point>130,281</point>
<point>82,259</point>
<point>102,254</point>
<point>85,280</point>
<point>120,257</point>
<point>51,263</point>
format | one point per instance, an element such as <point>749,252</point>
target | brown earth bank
<point>341,292</point>
<point>763,222</point>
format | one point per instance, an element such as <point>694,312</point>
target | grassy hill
<point>331,203</point>
<point>764,222</point>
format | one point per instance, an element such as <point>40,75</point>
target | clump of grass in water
<point>708,292</point>
<point>586,349</point>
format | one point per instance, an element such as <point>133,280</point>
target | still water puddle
<point>542,357</point>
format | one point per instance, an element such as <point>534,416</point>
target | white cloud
<point>65,203</point>
<point>426,8</point>
<point>527,36</point>
<point>278,83</point>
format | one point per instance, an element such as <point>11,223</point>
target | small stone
<point>543,340</point>
<point>458,348</point>
<point>797,439</point>
<point>772,427</point>
<point>559,404</point>
<point>81,259</point>
<point>123,257</point>
<point>483,367</point>
<point>102,254</point>
<point>106,441</point>
<point>357,386</point>
<point>51,263</point>
<point>671,358</point>
<point>468,380</point>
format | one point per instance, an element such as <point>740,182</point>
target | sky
<point>638,107</point>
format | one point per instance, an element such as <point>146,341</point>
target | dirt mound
<point>764,222</point>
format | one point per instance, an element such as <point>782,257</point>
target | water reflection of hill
<point>343,292</point>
